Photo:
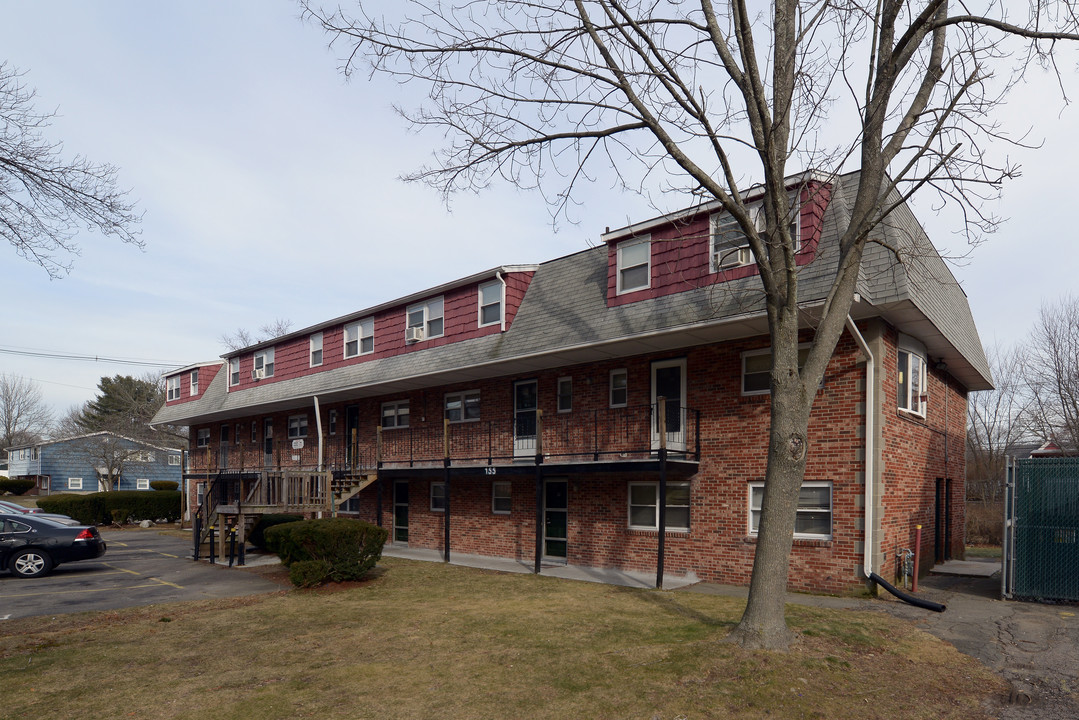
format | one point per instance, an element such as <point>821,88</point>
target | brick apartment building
<point>541,412</point>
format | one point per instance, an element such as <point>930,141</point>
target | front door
<point>352,435</point>
<point>400,511</point>
<point>267,442</point>
<point>669,381</point>
<point>223,456</point>
<point>555,520</point>
<point>525,402</point>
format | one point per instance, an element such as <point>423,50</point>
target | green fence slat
<point>1046,526</point>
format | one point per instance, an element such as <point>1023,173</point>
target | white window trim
<point>74,483</point>
<point>357,332</point>
<point>913,348</point>
<point>234,371</point>
<point>312,341</point>
<point>479,302</point>
<point>755,209</point>
<point>301,424</point>
<point>802,347</point>
<point>805,483</point>
<point>200,435</point>
<point>463,395</point>
<point>427,316</point>
<point>333,422</point>
<point>508,496</point>
<point>610,388</point>
<point>619,268</point>
<point>441,485</point>
<point>558,394</point>
<point>142,483</point>
<point>194,382</point>
<point>267,357</point>
<point>396,405</point>
<point>172,389</point>
<point>654,484</point>
<point>174,460</point>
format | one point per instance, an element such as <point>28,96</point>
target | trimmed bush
<point>258,532</point>
<point>349,548</point>
<point>15,486</point>
<point>97,508</point>
<point>164,485</point>
<point>309,573</point>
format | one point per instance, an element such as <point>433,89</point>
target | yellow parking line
<point>90,590</point>
<point>166,582</point>
<point>123,570</point>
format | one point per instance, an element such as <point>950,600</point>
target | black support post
<point>539,515</point>
<point>446,515</point>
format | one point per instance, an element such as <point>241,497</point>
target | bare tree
<point>693,98</point>
<point>1053,373</point>
<point>69,424</point>
<point>45,198</point>
<point>244,338</point>
<point>24,416</point>
<point>997,421</point>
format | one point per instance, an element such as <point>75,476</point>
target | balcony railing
<point>581,436</point>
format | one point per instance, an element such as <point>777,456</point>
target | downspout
<point>870,448</point>
<point>318,427</point>
<point>498,276</point>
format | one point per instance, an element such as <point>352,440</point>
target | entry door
<point>525,402</point>
<point>223,455</point>
<point>352,429</point>
<point>555,519</point>
<point>669,381</point>
<point>400,511</point>
<point>267,442</point>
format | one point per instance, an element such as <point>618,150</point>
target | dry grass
<point>985,523</point>
<point>423,640</point>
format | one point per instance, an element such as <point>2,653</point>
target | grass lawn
<point>425,640</point>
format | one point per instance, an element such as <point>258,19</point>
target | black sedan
<point>31,547</point>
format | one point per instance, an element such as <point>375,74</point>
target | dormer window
<point>263,364</point>
<point>315,349</point>
<point>425,320</point>
<point>194,383</point>
<point>729,246</point>
<point>234,371</point>
<point>360,338</point>
<point>634,265</point>
<point>173,388</point>
<point>490,304</point>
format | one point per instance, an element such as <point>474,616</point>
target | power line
<point>89,358</point>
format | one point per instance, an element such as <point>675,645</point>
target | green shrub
<point>164,485</point>
<point>15,486</point>
<point>258,532</point>
<point>120,516</point>
<point>349,547</point>
<point>97,508</point>
<point>309,573</point>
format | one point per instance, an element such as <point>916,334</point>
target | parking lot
<point>141,567</point>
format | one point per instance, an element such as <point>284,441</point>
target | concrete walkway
<point>566,572</point>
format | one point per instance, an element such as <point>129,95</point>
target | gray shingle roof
<point>565,310</point>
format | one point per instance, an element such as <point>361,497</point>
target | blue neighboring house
<point>94,462</point>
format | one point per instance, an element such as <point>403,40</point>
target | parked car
<point>7,508</point>
<point>31,546</point>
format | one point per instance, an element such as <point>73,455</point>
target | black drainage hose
<point>917,602</point>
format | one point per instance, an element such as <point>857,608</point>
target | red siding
<point>206,376</point>
<point>680,252</point>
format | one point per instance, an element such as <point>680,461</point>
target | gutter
<point>870,448</point>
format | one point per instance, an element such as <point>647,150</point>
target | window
<point>913,392</point>
<point>202,438</point>
<point>333,422</point>
<point>426,316</point>
<point>43,483</point>
<point>565,394</point>
<point>438,497</point>
<point>315,341</point>
<point>490,303</point>
<point>173,389</point>
<point>730,247</point>
<point>74,483</point>
<point>237,436</point>
<point>254,431</point>
<point>634,265</point>
<point>463,406</point>
<point>144,456</point>
<point>142,484</point>
<point>360,338</point>
<point>234,371</point>
<point>757,370</point>
<point>395,415</point>
<point>619,388</point>
<point>174,459</point>
<point>263,364</point>
<point>297,426</point>
<point>500,498</point>
<point>194,382</point>
<point>644,506</point>
<point>814,519</point>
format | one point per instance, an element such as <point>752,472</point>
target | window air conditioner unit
<point>413,334</point>
<point>732,257</point>
<point>258,373</point>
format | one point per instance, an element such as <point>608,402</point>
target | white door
<point>669,382</point>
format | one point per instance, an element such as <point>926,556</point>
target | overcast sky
<point>269,191</point>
